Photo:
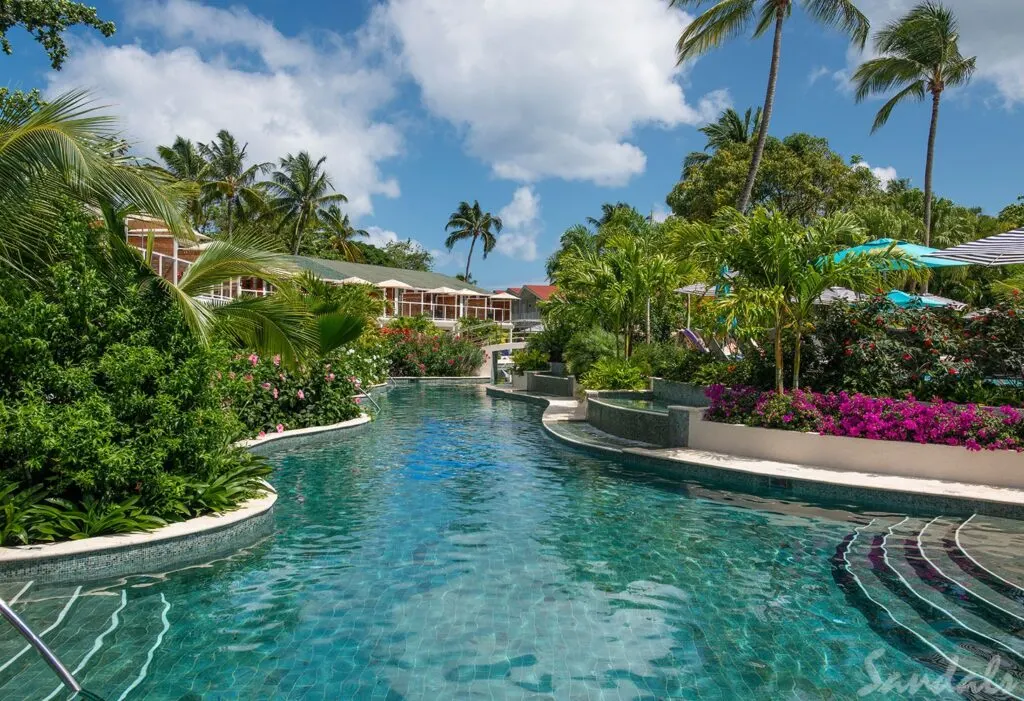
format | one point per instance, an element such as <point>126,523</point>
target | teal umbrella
<point>911,250</point>
<point>905,299</point>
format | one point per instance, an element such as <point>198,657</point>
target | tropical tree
<point>919,56</point>
<point>615,285</point>
<point>47,20</point>
<point>229,179</point>
<point>338,234</point>
<point>471,222</point>
<point>728,18</point>
<point>729,128</point>
<point>299,190</point>
<point>184,160</point>
<point>775,270</point>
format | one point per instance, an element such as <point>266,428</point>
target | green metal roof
<point>337,270</point>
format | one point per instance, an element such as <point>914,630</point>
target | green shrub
<point>722,372</point>
<point>420,323</point>
<point>107,404</point>
<point>268,397</point>
<point>530,359</point>
<point>413,354</point>
<point>615,373</point>
<point>586,348</point>
<point>552,340</point>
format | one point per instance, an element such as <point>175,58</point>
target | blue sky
<point>541,109</point>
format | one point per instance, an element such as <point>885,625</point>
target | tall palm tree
<point>730,128</point>
<point>185,161</point>
<point>919,55</point>
<point>228,177</point>
<point>299,190</point>
<point>471,222</point>
<point>727,18</point>
<point>339,233</point>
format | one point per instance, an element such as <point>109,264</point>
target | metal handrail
<point>51,659</point>
<point>372,400</point>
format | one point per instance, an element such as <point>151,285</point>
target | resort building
<point>441,298</point>
<point>526,315</point>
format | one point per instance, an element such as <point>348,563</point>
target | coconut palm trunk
<point>766,112</point>
<point>469,258</point>
<point>929,163</point>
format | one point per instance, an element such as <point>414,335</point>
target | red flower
<point>953,371</point>
<point>848,351</point>
<point>908,356</point>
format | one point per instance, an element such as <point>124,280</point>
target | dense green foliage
<point>529,359</point>
<point>615,373</point>
<point>433,354</point>
<point>106,402</point>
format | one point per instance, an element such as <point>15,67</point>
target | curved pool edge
<point>126,553</point>
<point>166,547</point>
<point>777,479</point>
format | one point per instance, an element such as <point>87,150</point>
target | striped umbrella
<point>1002,249</point>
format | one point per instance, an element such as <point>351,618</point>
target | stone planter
<point>518,381</point>
<point>679,393</point>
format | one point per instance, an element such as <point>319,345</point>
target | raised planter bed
<point>1000,468</point>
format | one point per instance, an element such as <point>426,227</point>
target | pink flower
<point>280,428</point>
<point>275,393</point>
<point>277,360</point>
<point>254,359</point>
<point>247,378</point>
<point>262,434</point>
<point>265,385</point>
<point>300,394</point>
<point>330,377</point>
<point>359,400</point>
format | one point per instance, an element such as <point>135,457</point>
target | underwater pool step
<point>862,571</point>
<point>1002,632</point>
<point>985,566</point>
<point>936,542</point>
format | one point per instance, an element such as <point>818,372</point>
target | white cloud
<point>521,219</point>
<point>818,73</point>
<point>659,212</point>
<point>381,237</point>
<point>550,88</point>
<point>280,94</point>
<point>885,174</point>
<point>989,29</point>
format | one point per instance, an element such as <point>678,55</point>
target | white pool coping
<point>112,553</point>
<point>558,410</point>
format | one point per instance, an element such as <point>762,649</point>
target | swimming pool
<point>451,550</point>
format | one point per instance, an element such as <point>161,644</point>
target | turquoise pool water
<point>451,550</point>
<point>660,407</point>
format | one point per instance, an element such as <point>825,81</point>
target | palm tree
<point>920,55</point>
<point>470,222</point>
<point>299,191</point>
<point>62,150</point>
<point>66,151</point>
<point>228,177</point>
<point>727,18</point>
<point>184,160</point>
<point>776,270</point>
<point>339,233</point>
<point>730,128</point>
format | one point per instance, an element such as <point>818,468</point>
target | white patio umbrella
<point>838,294</point>
<point>1001,249</point>
<point>355,281</point>
<point>443,291</point>
<point>466,292</point>
<point>503,295</point>
<point>395,285</point>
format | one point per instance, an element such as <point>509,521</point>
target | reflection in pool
<point>451,550</point>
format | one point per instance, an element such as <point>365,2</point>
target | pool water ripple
<point>451,550</point>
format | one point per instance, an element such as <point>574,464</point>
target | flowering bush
<point>268,397</point>
<point>413,354</point>
<point>879,349</point>
<point>860,416</point>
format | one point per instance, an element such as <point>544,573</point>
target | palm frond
<point>721,22</point>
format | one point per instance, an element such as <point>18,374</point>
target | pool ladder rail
<point>45,652</point>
